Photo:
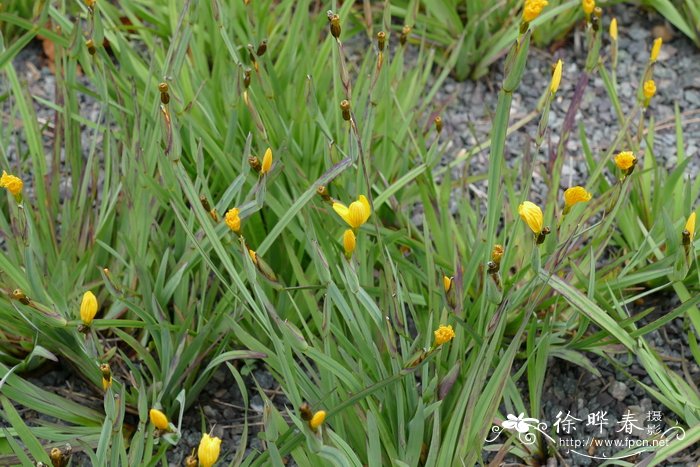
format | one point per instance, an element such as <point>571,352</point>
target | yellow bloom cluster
<point>159,419</point>
<point>266,162</point>
<point>532,9</point>
<point>317,420</point>
<point>532,215</point>
<point>12,183</point>
<point>649,91</point>
<point>556,77</point>
<point>447,283</point>
<point>655,49</point>
<point>690,225</point>
<point>626,160</point>
<point>349,242</point>
<point>88,308</point>
<point>208,451</point>
<point>356,214</point>
<point>613,29</point>
<point>443,334</point>
<point>233,220</point>
<point>576,194</point>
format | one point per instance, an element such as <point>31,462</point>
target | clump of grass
<point>246,194</point>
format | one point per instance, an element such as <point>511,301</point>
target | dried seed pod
<point>164,94</point>
<point>106,371</point>
<point>335,26</point>
<point>381,40</point>
<point>345,108</point>
<point>405,32</point>
<point>251,53</point>
<point>305,410</point>
<point>595,22</point>
<point>262,48</point>
<point>18,295</point>
<point>246,78</point>
<point>438,124</point>
<point>90,44</point>
<point>323,192</point>
<point>254,163</point>
<point>205,202</point>
<point>492,267</point>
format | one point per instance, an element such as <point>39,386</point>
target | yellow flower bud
<point>267,162</point>
<point>576,194</point>
<point>588,6</point>
<point>443,334</point>
<point>106,376</point>
<point>158,419</point>
<point>556,77</point>
<point>655,49</point>
<point>233,220</point>
<point>317,420</point>
<point>253,256</point>
<point>690,225</point>
<point>649,91</point>
<point>625,160</point>
<point>349,242</point>
<point>532,9</point>
<point>447,283</point>
<point>88,308</point>
<point>356,214</point>
<point>209,449</point>
<point>532,215</point>
<point>12,183</point>
<point>613,29</point>
<point>497,253</point>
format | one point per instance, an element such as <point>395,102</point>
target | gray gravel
<point>470,106</point>
<point>467,117</point>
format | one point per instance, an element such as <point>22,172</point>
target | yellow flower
<point>613,29</point>
<point>532,215</point>
<point>349,242</point>
<point>356,214</point>
<point>649,90</point>
<point>625,160</point>
<point>556,77</point>
<point>88,308</point>
<point>532,9</point>
<point>317,420</point>
<point>655,49</point>
<point>232,220</point>
<point>497,253</point>
<point>209,449</point>
<point>588,6</point>
<point>447,283</point>
<point>443,334</point>
<point>576,194</point>
<point>106,383</point>
<point>158,419</point>
<point>267,162</point>
<point>253,256</point>
<point>690,225</point>
<point>12,183</point>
